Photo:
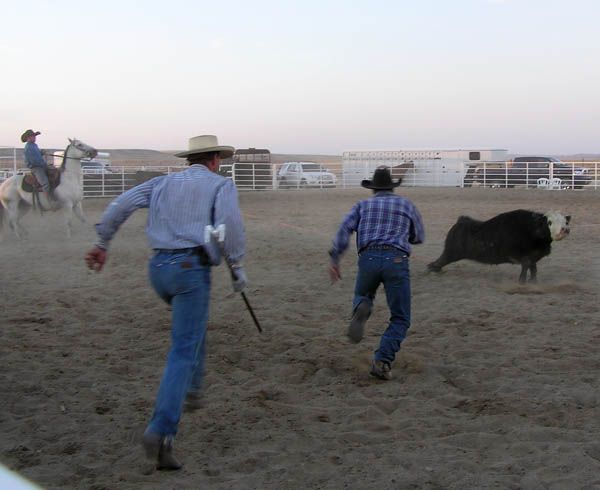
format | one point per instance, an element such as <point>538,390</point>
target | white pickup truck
<point>304,174</point>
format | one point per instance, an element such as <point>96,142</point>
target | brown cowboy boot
<point>166,459</point>
<point>159,448</point>
<point>381,370</point>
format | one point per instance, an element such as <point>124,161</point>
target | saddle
<point>31,184</point>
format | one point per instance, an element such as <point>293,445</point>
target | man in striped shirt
<point>180,206</point>
<point>386,226</point>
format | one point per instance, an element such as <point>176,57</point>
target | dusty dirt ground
<point>496,386</point>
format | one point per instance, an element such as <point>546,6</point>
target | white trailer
<point>418,167</point>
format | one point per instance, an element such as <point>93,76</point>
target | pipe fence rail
<point>533,175</point>
<point>296,176</point>
<point>8,157</point>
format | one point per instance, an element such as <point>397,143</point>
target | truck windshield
<point>312,167</point>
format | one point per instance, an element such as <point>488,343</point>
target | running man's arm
<point>417,230</point>
<point>342,238</point>
<point>121,208</point>
<point>227,212</point>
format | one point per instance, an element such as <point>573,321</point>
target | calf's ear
<point>568,218</point>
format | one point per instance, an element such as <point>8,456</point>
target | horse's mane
<point>64,159</point>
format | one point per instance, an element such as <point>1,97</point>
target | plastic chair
<point>556,183</point>
<point>543,183</point>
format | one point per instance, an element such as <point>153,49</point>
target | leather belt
<point>199,251</point>
<point>381,247</point>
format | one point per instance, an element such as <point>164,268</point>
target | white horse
<point>69,193</point>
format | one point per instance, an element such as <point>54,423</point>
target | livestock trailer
<point>251,168</point>
<point>418,167</point>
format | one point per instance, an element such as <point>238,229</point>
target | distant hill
<point>288,157</point>
<point>143,157</point>
<point>152,157</point>
<point>578,157</point>
<point>138,157</point>
<point>119,157</point>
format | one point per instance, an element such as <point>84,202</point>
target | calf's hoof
<point>433,267</point>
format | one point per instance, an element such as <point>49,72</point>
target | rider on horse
<point>36,162</point>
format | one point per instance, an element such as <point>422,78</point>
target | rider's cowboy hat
<point>204,144</point>
<point>28,133</point>
<point>382,180</point>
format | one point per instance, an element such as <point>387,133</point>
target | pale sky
<point>304,77</point>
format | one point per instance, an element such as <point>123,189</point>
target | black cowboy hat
<point>382,180</point>
<point>28,133</point>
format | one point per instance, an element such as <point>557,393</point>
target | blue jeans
<point>389,267</point>
<point>42,177</point>
<point>181,281</point>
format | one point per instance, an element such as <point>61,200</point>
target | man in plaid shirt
<point>386,226</point>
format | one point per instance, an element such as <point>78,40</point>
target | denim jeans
<point>389,267</point>
<point>181,281</point>
<point>41,176</point>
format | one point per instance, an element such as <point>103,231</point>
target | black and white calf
<point>517,237</point>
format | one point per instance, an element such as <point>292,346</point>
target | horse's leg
<point>68,215</point>
<point>22,210</point>
<point>3,212</point>
<point>13,217</point>
<point>78,209</point>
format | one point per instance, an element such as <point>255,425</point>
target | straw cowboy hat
<point>28,133</point>
<point>204,144</point>
<point>382,180</point>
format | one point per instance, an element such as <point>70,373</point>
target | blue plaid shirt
<point>384,219</point>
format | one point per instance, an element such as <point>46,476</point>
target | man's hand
<point>96,258</point>
<point>239,279</point>
<point>334,273</point>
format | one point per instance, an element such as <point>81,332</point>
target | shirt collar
<point>199,165</point>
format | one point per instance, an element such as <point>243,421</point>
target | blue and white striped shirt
<point>181,205</point>
<point>384,219</point>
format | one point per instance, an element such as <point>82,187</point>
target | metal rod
<point>251,312</point>
<point>222,247</point>
<point>219,235</point>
